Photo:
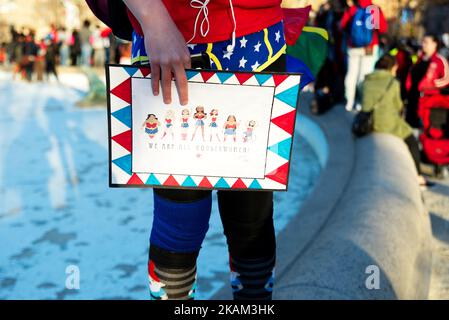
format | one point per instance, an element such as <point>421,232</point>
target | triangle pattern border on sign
<point>283,120</point>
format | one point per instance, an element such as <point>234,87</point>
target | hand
<point>168,56</point>
<point>166,47</point>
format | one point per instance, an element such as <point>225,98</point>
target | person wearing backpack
<point>363,22</point>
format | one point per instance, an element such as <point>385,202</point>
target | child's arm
<point>165,45</point>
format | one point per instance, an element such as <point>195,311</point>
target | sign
<point>236,132</point>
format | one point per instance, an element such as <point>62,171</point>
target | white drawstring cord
<point>231,47</point>
<point>202,6</point>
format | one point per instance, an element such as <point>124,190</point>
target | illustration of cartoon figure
<point>213,124</point>
<point>151,125</point>
<point>185,115</point>
<point>199,115</point>
<point>248,134</point>
<point>156,286</point>
<point>230,127</point>
<point>169,118</point>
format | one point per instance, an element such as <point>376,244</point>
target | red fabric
<point>435,145</point>
<point>436,133</point>
<point>436,78</point>
<point>2,55</point>
<point>106,32</point>
<point>426,103</point>
<point>350,13</point>
<point>251,16</point>
<point>151,271</point>
<point>437,151</point>
<point>404,62</point>
<point>294,21</point>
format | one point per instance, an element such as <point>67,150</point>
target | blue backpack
<point>361,34</point>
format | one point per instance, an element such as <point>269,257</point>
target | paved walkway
<point>437,202</point>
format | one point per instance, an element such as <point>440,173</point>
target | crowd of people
<point>398,71</point>
<point>37,59</point>
<point>348,62</point>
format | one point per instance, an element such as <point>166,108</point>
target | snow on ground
<point>57,211</point>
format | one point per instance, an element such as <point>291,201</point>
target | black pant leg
<point>248,223</point>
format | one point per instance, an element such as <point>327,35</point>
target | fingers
<point>162,72</point>
<point>187,61</point>
<point>181,79</point>
<point>181,84</point>
<point>166,83</point>
<point>155,77</point>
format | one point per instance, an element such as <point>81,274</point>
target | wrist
<point>149,13</point>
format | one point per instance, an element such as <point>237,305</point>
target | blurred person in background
<point>54,33</point>
<point>427,77</point>
<point>64,45</point>
<point>107,36</point>
<point>385,44</point>
<point>329,85</point>
<point>382,96</point>
<point>3,53</point>
<point>18,48</point>
<point>85,35</point>
<point>39,63</point>
<point>404,59</point>
<point>51,57</point>
<point>14,36</point>
<point>363,23</point>
<point>29,55</point>
<point>75,48</point>
<point>98,47</point>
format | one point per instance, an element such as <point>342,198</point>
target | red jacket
<point>436,78</point>
<point>349,14</point>
<point>250,15</point>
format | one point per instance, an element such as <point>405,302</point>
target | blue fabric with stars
<point>252,52</point>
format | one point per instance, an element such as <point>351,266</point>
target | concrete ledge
<point>379,221</point>
<point>366,210</point>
